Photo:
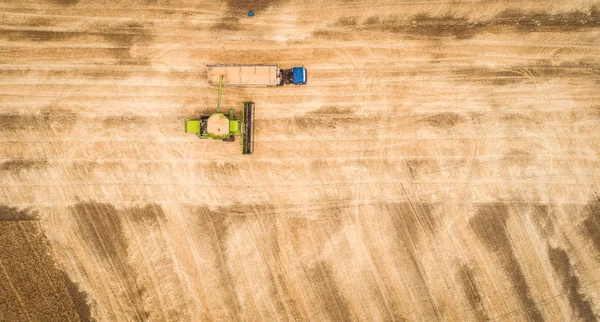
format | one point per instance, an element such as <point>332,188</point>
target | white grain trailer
<point>255,75</point>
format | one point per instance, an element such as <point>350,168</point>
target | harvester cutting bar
<point>248,135</point>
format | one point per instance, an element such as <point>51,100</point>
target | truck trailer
<point>255,75</point>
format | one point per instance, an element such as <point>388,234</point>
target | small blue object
<point>250,13</point>
<point>299,75</point>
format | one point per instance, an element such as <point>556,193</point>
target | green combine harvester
<point>225,127</point>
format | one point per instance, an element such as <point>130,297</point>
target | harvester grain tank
<point>226,127</point>
<point>256,75</point>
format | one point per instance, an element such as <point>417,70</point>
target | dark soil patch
<point>489,224</point>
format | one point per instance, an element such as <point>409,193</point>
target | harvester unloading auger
<point>225,127</point>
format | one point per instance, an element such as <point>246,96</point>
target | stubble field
<point>442,164</point>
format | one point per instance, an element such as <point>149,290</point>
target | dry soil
<point>442,164</point>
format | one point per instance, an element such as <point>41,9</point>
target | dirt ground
<point>442,164</point>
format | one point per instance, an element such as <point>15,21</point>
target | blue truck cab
<point>299,75</point>
<point>296,76</point>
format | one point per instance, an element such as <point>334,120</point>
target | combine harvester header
<point>255,75</point>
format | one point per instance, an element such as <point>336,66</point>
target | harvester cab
<point>226,127</point>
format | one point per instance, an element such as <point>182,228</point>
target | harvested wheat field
<point>441,164</point>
